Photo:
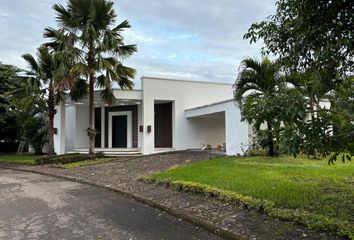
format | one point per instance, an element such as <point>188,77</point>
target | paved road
<point>39,207</point>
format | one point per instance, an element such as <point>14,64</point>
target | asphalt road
<point>33,206</point>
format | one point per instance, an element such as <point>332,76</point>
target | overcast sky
<point>183,39</point>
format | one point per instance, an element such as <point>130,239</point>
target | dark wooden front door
<point>119,131</point>
<point>163,125</point>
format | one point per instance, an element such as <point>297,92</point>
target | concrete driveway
<point>39,207</point>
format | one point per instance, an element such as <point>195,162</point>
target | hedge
<point>314,221</point>
<point>66,158</point>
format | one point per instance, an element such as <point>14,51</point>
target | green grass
<point>19,159</point>
<point>301,184</point>
<point>85,163</point>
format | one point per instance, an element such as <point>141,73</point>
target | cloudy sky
<point>183,39</point>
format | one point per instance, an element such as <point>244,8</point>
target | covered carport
<point>218,123</point>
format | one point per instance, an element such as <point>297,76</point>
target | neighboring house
<point>164,115</point>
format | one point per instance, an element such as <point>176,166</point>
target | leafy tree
<point>259,81</point>
<point>88,34</point>
<point>314,39</point>
<point>310,34</point>
<point>8,114</point>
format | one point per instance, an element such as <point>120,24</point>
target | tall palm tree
<point>259,79</point>
<point>87,32</point>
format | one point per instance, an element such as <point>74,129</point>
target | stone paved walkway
<point>226,220</point>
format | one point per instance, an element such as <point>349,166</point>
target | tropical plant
<point>39,86</point>
<point>258,80</point>
<point>8,114</point>
<point>310,34</point>
<point>34,128</point>
<point>314,40</point>
<point>88,34</point>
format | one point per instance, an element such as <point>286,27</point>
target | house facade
<point>165,115</point>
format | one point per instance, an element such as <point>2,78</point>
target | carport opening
<point>208,130</point>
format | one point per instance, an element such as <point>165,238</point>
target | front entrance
<point>119,131</point>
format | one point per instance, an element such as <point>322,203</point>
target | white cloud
<point>192,39</point>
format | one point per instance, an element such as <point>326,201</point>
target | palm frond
<point>107,96</point>
<point>79,90</point>
<point>32,63</point>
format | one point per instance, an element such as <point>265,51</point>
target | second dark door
<point>119,131</point>
<point>163,125</point>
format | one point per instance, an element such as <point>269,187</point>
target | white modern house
<point>165,115</point>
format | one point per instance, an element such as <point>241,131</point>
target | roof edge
<point>184,80</point>
<point>209,105</point>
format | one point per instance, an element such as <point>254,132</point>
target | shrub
<point>66,158</point>
<point>315,221</point>
<point>256,152</point>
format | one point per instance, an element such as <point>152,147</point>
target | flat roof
<point>184,80</point>
<point>119,89</point>
<point>211,104</point>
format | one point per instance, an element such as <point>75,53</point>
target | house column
<point>59,124</point>
<point>102,126</point>
<point>148,139</point>
<point>236,131</point>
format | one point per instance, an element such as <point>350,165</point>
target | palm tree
<point>43,87</point>
<point>87,33</point>
<point>40,84</point>
<point>259,80</point>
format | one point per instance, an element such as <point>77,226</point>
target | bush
<point>256,152</point>
<point>63,159</point>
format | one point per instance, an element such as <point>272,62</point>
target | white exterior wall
<point>70,128</point>
<point>184,94</point>
<point>81,123</point>
<point>140,123</point>
<point>236,132</point>
<point>204,131</point>
<point>186,132</point>
<point>59,123</point>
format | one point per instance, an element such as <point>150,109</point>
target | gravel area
<point>227,220</point>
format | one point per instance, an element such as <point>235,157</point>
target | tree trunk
<point>270,139</point>
<point>51,113</point>
<point>91,132</point>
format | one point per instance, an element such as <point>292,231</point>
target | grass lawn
<point>310,186</point>
<point>19,159</point>
<point>85,163</point>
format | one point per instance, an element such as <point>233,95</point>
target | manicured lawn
<point>307,185</point>
<point>19,159</point>
<point>85,163</point>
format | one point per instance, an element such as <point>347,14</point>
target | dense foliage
<point>8,114</point>
<point>313,40</point>
<point>310,34</point>
<point>260,81</point>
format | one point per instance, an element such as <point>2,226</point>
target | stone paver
<point>227,220</point>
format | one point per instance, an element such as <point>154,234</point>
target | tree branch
<point>348,116</point>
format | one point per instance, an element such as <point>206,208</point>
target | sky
<point>179,39</point>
